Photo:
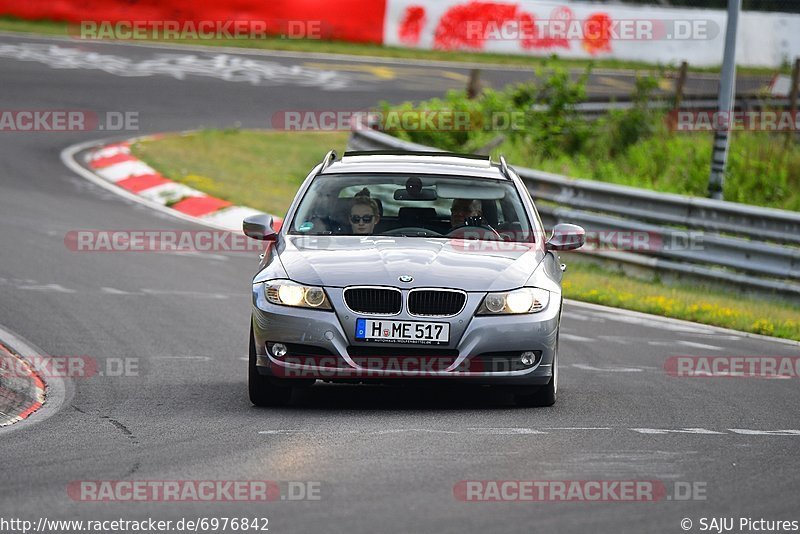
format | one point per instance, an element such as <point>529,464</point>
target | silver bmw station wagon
<point>408,266</point>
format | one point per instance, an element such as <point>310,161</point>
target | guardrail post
<point>793,95</point>
<point>679,85</point>
<point>474,84</point>
<point>678,98</point>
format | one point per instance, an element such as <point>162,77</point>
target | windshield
<point>412,206</point>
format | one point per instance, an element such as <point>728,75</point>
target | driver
<point>463,208</point>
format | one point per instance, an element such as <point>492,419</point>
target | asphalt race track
<point>386,459</point>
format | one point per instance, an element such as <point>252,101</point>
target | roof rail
<point>504,167</point>
<point>329,158</point>
<point>431,153</point>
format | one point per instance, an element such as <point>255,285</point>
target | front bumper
<point>331,335</point>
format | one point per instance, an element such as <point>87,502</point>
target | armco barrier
<point>702,248</point>
<point>735,251</point>
<point>746,102</point>
<point>763,224</point>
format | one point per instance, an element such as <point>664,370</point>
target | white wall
<point>765,39</point>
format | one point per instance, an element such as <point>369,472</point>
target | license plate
<point>402,331</point>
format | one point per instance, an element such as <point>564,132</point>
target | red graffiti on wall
<point>547,41</point>
<point>599,41</point>
<point>470,25</point>
<point>411,25</point>
<point>453,31</point>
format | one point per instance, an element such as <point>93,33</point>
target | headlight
<point>525,300</point>
<point>288,293</point>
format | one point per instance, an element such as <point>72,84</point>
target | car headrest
<point>415,216</point>
<point>341,210</point>
<point>489,212</point>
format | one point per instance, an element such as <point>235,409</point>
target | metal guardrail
<point>737,243</point>
<point>764,224</point>
<point>597,109</point>
<point>690,246</point>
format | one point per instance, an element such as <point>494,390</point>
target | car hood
<point>350,260</point>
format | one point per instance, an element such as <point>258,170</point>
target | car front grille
<point>436,302</point>
<point>374,300</point>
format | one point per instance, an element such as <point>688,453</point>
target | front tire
<point>264,391</point>
<point>543,395</point>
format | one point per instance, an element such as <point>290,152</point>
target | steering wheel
<point>412,230</point>
<point>460,232</point>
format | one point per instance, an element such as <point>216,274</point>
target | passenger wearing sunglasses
<point>364,213</point>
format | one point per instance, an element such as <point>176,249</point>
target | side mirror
<point>566,237</point>
<point>259,227</point>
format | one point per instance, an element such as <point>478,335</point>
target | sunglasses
<point>355,219</point>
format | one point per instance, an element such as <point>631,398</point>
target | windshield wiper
<point>415,234</point>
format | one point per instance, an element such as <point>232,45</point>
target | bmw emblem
<point>406,278</point>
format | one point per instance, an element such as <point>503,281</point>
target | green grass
<point>43,27</point>
<point>261,170</point>
<point>264,169</point>
<point>340,47</point>
<point>592,283</point>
